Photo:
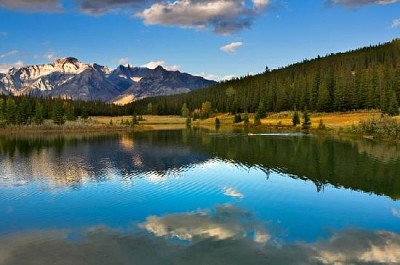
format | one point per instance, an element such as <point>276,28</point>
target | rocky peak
<point>65,60</point>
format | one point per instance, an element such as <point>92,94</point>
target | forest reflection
<point>71,160</point>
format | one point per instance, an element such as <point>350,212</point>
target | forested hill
<point>367,78</point>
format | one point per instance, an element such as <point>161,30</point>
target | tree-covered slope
<point>367,78</point>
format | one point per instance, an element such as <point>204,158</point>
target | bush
<point>384,127</point>
<point>237,118</point>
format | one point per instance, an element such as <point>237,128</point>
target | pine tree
<point>10,111</point>
<point>295,119</point>
<point>1,109</point>
<point>70,113</point>
<point>257,119</point>
<point>84,114</point>
<point>306,120</point>
<point>38,116</point>
<point>246,119</point>
<point>323,99</point>
<point>134,119</point>
<point>57,114</point>
<point>393,108</point>
<point>261,110</point>
<point>217,122</point>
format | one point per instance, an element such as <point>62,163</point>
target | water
<point>195,197</point>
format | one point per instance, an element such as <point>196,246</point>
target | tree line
<point>28,110</point>
<point>367,78</point>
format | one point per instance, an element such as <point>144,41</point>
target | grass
<point>284,119</point>
<point>332,122</point>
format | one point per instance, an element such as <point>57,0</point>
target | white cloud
<point>223,16</point>
<point>208,76</point>
<point>50,55</point>
<point>231,47</point>
<point>4,67</point>
<point>228,77</point>
<point>396,23</point>
<point>9,54</point>
<point>215,77</point>
<point>154,64</point>
<point>260,4</point>
<point>123,61</point>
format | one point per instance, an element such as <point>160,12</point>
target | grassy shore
<point>282,119</point>
<point>332,122</point>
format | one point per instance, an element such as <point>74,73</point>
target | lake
<point>198,197</point>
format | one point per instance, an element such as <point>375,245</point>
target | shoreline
<point>342,124</point>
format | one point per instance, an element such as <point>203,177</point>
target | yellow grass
<point>331,120</point>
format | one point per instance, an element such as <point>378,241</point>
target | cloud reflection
<point>222,236</point>
<point>228,222</point>
<point>231,192</point>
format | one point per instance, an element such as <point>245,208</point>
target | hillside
<point>366,78</point>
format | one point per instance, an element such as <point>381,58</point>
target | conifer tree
<point>38,116</point>
<point>295,119</point>
<point>2,107</point>
<point>10,111</point>
<point>393,108</point>
<point>306,120</point>
<point>57,114</point>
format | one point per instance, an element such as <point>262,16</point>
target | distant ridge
<point>70,78</point>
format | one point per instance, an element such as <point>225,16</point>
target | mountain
<point>366,78</point>
<point>142,82</point>
<point>70,78</point>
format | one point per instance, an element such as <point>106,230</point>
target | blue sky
<point>213,38</point>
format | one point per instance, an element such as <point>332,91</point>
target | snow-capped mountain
<point>69,78</point>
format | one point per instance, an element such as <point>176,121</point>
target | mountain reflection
<point>220,237</point>
<point>73,160</point>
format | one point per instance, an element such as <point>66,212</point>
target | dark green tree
<point>135,120</point>
<point>237,118</point>
<point>393,108</point>
<point>38,116</point>
<point>57,114</point>
<point>257,119</point>
<point>2,109</point>
<point>10,111</point>
<point>306,120</point>
<point>70,113</point>
<point>323,98</point>
<point>261,110</point>
<point>84,114</point>
<point>246,119</point>
<point>217,122</point>
<point>296,119</point>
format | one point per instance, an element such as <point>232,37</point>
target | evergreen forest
<point>366,78</point>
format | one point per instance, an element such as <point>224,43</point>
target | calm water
<point>194,197</point>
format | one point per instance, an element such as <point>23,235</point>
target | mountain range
<point>70,78</point>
